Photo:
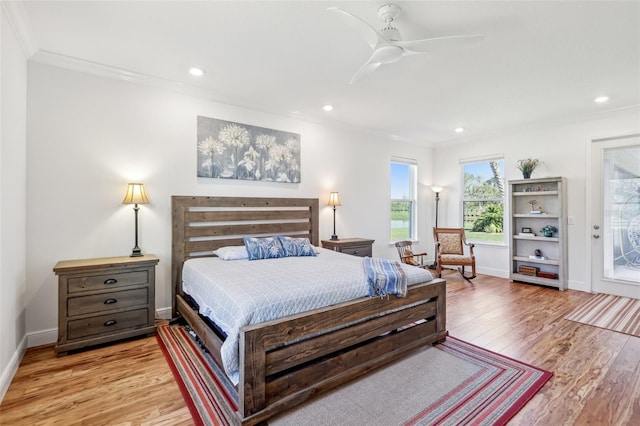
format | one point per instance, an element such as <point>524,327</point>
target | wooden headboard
<point>203,224</point>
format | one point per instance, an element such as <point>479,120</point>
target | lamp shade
<point>136,194</point>
<point>437,189</point>
<point>334,200</point>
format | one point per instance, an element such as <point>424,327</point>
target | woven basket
<point>528,270</point>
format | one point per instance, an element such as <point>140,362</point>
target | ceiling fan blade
<point>365,70</point>
<point>371,36</point>
<point>430,45</point>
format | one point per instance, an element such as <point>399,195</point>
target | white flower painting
<point>228,150</point>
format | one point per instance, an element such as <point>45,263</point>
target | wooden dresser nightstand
<point>105,299</point>
<point>355,246</point>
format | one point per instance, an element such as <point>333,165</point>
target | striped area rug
<point>211,398</point>
<point>449,384</point>
<point>615,313</point>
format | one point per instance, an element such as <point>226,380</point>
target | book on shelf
<point>537,257</point>
<point>527,234</point>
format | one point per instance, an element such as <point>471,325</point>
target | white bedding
<point>241,292</point>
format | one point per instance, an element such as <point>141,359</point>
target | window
<point>404,203</point>
<point>483,200</point>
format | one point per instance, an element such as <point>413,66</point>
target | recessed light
<point>327,107</point>
<point>601,99</point>
<point>459,129</point>
<point>196,72</point>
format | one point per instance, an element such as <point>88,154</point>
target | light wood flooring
<point>596,372</point>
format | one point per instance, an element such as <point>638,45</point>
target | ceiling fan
<point>387,43</point>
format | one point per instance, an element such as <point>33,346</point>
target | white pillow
<point>232,253</point>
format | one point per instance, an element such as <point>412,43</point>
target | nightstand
<point>104,300</point>
<point>354,246</point>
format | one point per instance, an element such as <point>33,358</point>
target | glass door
<point>615,231</point>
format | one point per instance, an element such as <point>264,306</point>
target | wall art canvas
<point>228,150</point>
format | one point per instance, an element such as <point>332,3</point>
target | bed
<point>286,361</point>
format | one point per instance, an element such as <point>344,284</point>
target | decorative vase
<point>548,234</point>
<point>526,175</point>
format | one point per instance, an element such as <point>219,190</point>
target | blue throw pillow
<point>297,246</point>
<point>263,248</point>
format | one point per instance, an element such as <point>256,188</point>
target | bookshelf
<point>534,257</point>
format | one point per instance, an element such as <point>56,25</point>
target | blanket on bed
<point>385,277</point>
<point>235,293</point>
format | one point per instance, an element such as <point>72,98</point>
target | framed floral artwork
<point>229,150</point>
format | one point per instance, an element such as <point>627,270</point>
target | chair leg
<point>464,275</point>
<point>438,270</point>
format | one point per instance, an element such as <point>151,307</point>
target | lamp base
<point>334,237</point>
<point>136,252</point>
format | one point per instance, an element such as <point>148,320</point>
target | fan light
<point>196,72</point>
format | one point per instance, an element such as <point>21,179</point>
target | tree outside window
<point>403,200</point>
<point>483,201</point>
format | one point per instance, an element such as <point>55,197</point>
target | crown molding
<point>17,17</point>
<point>95,68</point>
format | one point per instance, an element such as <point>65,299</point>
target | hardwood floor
<point>596,372</point>
<point>127,383</point>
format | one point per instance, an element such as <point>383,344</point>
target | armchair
<point>450,244</point>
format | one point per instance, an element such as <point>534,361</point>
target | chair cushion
<point>453,259</point>
<point>450,244</point>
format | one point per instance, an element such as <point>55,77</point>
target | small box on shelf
<point>534,257</point>
<point>549,275</point>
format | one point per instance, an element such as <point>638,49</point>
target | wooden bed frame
<point>287,361</point>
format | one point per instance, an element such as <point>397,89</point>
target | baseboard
<point>491,271</point>
<point>164,313</point>
<point>12,367</point>
<point>43,337</point>
<point>579,286</point>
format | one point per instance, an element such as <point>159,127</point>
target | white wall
<point>88,136</point>
<point>13,98</point>
<point>564,150</point>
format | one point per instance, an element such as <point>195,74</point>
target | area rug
<point>449,384</point>
<point>615,313</point>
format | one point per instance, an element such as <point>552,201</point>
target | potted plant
<point>548,230</point>
<point>527,166</point>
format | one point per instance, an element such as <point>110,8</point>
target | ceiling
<point>539,61</point>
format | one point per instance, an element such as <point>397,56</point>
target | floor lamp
<point>136,195</point>
<point>437,190</point>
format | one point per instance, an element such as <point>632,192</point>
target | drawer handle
<point>110,323</point>
<point>110,301</point>
<point>356,251</point>
<point>110,281</point>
